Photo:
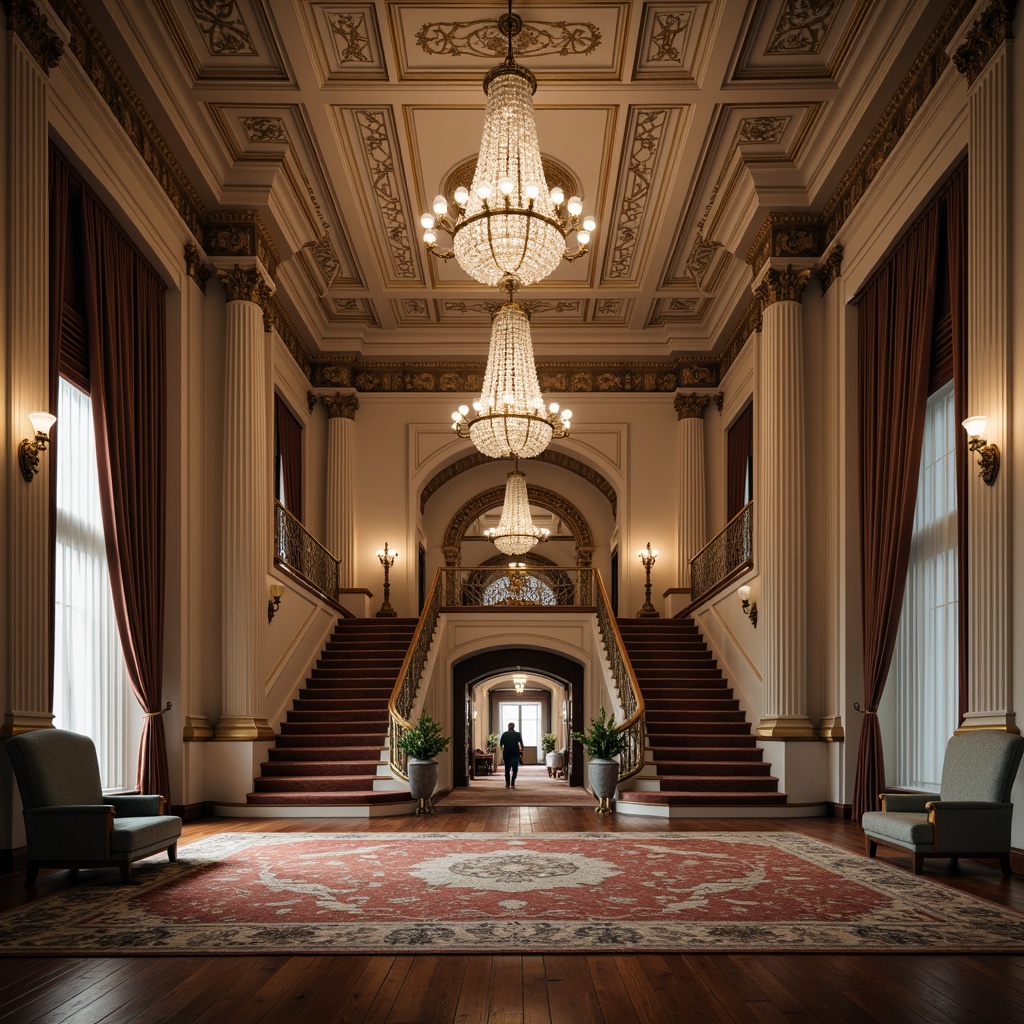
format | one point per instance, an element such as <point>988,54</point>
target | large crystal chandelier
<point>511,419</point>
<point>515,533</point>
<point>508,224</point>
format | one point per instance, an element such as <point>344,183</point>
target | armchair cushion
<point>910,830</point>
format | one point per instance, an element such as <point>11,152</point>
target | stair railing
<point>729,553</point>
<point>632,730</point>
<point>297,549</point>
<point>403,697</point>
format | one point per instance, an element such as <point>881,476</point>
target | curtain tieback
<point>157,714</point>
<point>863,711</point>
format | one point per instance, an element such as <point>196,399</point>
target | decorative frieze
<point>984,37</point>
<point>830,268</point>
<point>29,24</point>
<point>785,285</point>
<point>749,323</point>
<point>195,266</point>
<point>339,405</point>
<point>787,235</point>
<point>691,406</point>
<point>241,233</point>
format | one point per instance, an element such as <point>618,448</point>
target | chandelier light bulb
<point>575,205</point>
<point>505,186</point>
<point>532,190</point>
<point>589,224</point>
<point>464,410</point>
<point>484,190</point>
<point>557,196</point>
<point>583,237</point>
<point>428,221</point>
<point>429,237</point>
<point>440,205</point>
<point>462,195</point>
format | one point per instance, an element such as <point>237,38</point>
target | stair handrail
<point>403,696</point>
<point>632,758</point>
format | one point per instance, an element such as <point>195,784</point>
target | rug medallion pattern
<point>429,892</point>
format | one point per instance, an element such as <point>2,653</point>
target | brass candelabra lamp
<point>648,557</point>
<point>387,559</point>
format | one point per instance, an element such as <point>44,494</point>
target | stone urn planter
<point>422,782</point>
<point>604,774</point>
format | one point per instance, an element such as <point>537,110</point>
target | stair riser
<point>315,769</point>
<point>312,784</point>
<point>710,784</point>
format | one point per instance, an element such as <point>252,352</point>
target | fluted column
<point>779,505</point>
<point>984,58</point>
<point>341,542</point>
<point>692,526</point>
<point>194,531</point>
<point>247,503</point>
<point>32,48</point>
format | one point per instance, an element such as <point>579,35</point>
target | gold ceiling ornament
<point>510,419</point>
<point>509,225</point>
<point>515,533</point>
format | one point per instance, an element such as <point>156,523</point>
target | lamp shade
<point>42,422</point>
<point>975,425</point>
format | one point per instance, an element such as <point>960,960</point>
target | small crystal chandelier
<point>511,418</point>
<point>519,682</point>
<point>515,533</point>
<point>509,225</point>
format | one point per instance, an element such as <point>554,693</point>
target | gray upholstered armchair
<point>69,822</point>
<point>970,818</point>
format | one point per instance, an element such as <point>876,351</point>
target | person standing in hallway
<point>511,744</point>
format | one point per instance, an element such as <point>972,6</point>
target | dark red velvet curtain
<point>894,336</point>
<point>289,452</point>
<point>127,343</point>
<point>956,233</point>
<point>739,451</point>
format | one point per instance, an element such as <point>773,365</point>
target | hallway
<point>533,789</point>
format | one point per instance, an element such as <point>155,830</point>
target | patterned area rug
<point>261,893</point>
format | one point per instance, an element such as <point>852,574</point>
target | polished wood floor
<point>531,989</point>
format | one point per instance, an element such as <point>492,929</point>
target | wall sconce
<point>648,557</point>
<point>276,590</point>
<point>749,607</point>
<point>475,714</point>
<point>988,454</point>
<point>387,559</point>
<point>28,451</point>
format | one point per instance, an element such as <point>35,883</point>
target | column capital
<point>340,406</point>
<point>782,285</point>
<point>195,266</point>
<point>983,38</point>
<point>246,284</point>
<point>691,406</point>
<point>31,26</point>
<point>830,269</point>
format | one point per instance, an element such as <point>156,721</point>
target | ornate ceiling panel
<point>345,42</point>
<point>675,40</point>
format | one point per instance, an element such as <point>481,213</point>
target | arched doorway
<point>486,664</point>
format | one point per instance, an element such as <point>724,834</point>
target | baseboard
<point>13,860</point>
<point>844,811</point>
<point>1017,860</point>
<point>193,812</point>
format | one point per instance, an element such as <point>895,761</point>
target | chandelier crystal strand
<point>511,418</point>
<point>515,533</point>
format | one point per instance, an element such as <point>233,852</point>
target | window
<point>91,691</point>
<point>526,716</point>
<point>923,676</point>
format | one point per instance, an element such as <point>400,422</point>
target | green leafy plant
<point>492,742</point>
<point>548,741</point>
<point>424,740</point>
<point>601,740</point>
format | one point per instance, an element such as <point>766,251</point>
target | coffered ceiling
<point>684,123</point>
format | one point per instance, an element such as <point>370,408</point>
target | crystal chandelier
<point>519,682</point>
<point>515,533</point>
<point>508,224</point>
<point>511,419</point>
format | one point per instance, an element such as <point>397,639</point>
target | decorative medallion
<point>762,131</point>
<point>222,27</point>
<point>695,374</point>
<point>483,38</point>
<point>802,26</point>
<point>264,129</point>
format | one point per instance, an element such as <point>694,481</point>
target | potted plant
<point>602,743</point>
<point>492,743</point>
<point>421,744</point>
<point>552,759</point>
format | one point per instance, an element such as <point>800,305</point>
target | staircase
<point>698,738</point>
<point>329,750</point>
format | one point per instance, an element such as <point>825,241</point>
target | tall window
<point>923,676</point>
<point>91,691</point>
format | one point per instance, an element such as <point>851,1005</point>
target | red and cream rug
<point>264,893</point>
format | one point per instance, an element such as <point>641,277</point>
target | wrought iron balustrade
<point>532,586</point>
<point>731,550</point>
<point>296,548</point>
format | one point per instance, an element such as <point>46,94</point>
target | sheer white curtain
<point>923,676</point>
<point>90,681</point>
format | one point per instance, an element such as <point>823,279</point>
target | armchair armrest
<point>906,803</point>
<point>971,826</point>
<point>135,805</point>
<point>73,831</point>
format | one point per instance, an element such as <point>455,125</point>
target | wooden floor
<point>508,989</point>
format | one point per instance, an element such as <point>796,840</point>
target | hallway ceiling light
<point>509,225</point>
<point>515,533</point>
<point>519,682</point>
<point>511,419</point>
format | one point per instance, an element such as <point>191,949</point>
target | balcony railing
<point>303,554</point>
<point>725,555</point>
<point>515,589</point>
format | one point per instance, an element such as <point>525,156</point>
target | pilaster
<point>31,50</point>
<point>692,525</point>
<point>341,413</point>
<point>247,503</point>
<point>984,58</point>
<point>780,504</point>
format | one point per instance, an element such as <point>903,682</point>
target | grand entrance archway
<point>485,664</point>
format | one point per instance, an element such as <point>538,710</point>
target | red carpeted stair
<point>329,749</point>
<point>698,738</point>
